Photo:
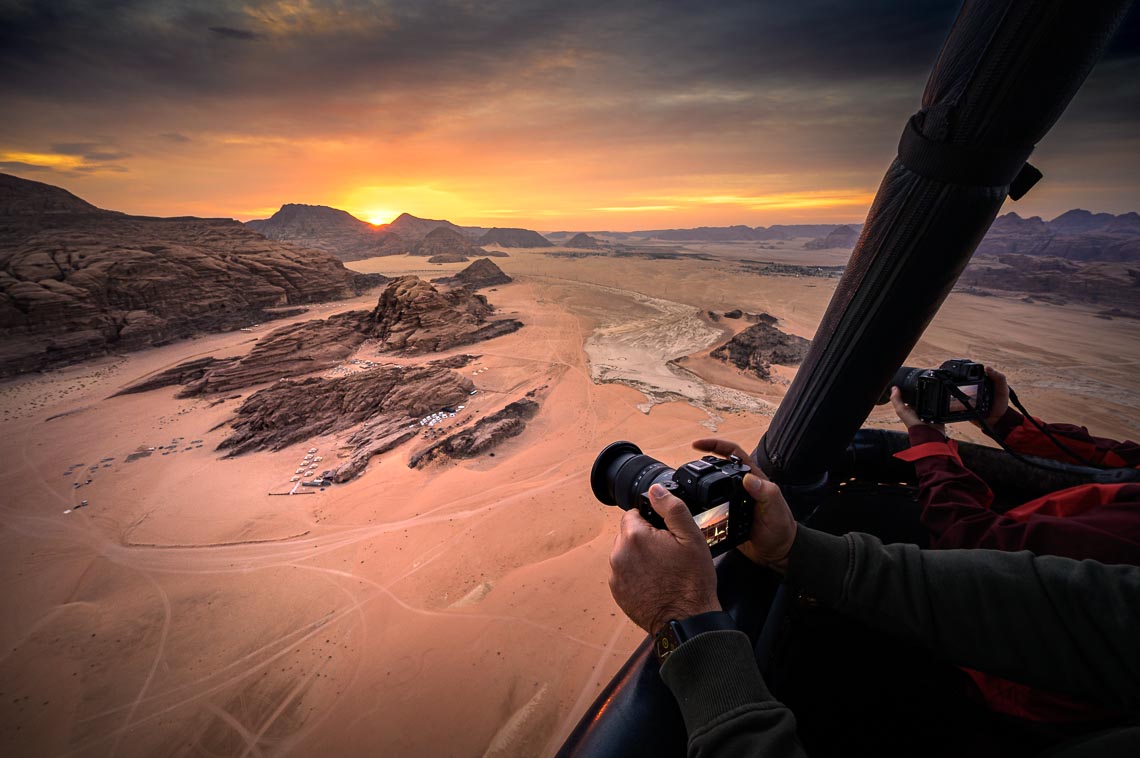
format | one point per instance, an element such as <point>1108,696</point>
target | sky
<point>546,114</point>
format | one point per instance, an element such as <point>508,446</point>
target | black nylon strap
<point>969,165</point>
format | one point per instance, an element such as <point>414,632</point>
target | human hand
<point>773,526</point>
<point>723,448</point>
<point>1001,397</point>
<point>907,414</point>
<point>657,575</point>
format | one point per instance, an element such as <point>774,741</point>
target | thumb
<point>675,513</point>
<point>762,491</point>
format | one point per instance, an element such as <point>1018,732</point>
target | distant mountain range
<point>77,281</point>
<point>347,237</point>
<point>511,237</point>
<point>741,233</point>
<point>1075,235</point>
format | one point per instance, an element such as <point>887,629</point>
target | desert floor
<point>457,610</point>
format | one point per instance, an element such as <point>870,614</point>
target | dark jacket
<point>1097,521</point>
<point>1032,619</point>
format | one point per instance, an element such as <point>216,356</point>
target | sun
<point>379,216</point>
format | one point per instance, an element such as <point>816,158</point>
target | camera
<point>712,488</point>
<point>937,394</point>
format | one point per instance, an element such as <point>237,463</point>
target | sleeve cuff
<point>713,673</point>
<point>1009,421</point>
<point>818,564</point>
<point>946,448</point>
<point>923,433</point>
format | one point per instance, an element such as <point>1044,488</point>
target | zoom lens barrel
<point>622,473</point>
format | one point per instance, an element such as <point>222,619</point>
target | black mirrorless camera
<point>712,488</point>
<point>937,394</point>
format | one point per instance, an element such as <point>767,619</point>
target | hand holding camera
<point>958,390</point>
<point>661,574</point>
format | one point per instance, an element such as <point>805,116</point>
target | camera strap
<point>1017,404</point>
<point>1046,464</point>
<point>970,165</point>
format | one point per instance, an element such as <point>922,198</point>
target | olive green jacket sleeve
<point>1067,626</point>
<point>1054,623</point>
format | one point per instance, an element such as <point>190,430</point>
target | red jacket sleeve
<point>955,508</point>
<point>1022,436</point>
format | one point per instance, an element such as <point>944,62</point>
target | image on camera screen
<point>970,391</point>
<point>714,523</point>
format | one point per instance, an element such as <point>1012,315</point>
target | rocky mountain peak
<point>481,273</point>
<point>23,197</point>
<point>582,241</point>
<point>312,216</point>
<point>511,237</point>
<point>446,242</point>
<point>414,228</point>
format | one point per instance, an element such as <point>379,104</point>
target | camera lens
<point>906,379</point>
<point>622,472</point>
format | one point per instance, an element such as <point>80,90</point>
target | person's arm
<point>955,508</point>
<point>1023,436</point>
<point>955,501</point>
<point>1048,622</point>
<point>659,575</point>
<point>727,708</point>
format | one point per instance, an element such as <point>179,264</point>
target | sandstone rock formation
<point>507,237</point>
<point>1109,285</point>
<point>842,237</point>
<point>481,273</point>
<point>486,434</point>
<point>414,317</point>
<point>183,373</point>
<point>410,317</point>
<point>445,243</point>
<point>582,241</point>
<point>329,229</point>
<point>295,410</point>
<point>76,281</point>
<point>759,346</point>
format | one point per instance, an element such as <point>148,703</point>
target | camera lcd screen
<point>970,391</point>
<point>714,523</point>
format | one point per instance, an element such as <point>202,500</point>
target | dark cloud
<point>827,82</point>
<point>19,166</point>
<point>94,152</point>
<point>230,33</point>
<point>93,168</point>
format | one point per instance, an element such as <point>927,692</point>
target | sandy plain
<point>460,610</point>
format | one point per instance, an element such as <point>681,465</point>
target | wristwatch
<point>677,632</point>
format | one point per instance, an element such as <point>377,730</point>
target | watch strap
<point>678,631</point>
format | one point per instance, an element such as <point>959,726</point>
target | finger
<point>897,402</point>
<point>675,513</point>
<point>761,490</point>
<point>720,447</point>
<point>633,523</point>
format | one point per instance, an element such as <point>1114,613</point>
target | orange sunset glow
<point>619,118</point>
